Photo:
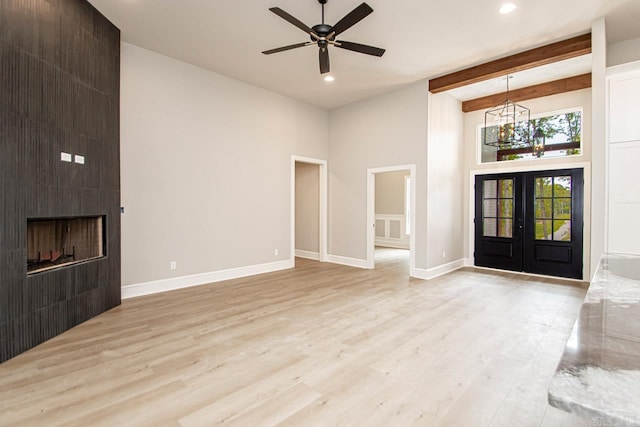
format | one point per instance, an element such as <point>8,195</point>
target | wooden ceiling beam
<point>554,52</point>
<point>531,92</point>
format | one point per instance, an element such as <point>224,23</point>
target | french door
<point>530,221</point>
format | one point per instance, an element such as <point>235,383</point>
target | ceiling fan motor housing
<point>323,30</point>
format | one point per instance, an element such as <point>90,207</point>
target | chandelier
<point>507,125</point>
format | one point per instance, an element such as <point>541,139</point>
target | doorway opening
<point>391,215</point>
<point>531,222</point>
<point>308,208</point>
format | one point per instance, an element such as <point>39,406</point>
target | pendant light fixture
<point>507,125</point>
<point>539,139</point>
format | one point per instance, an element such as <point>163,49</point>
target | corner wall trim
<point>157,286</point>
<point>438,271</point>
<point>308,254</point>
<point>351,262</point>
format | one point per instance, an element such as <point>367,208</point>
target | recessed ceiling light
<point>507,8</point>
<point>329,78</point>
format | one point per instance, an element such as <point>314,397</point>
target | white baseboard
<point>351,262</point>
<point>440,270</point>
<point>156,286</point>
<point>391,243</point>
<point>308,255</point>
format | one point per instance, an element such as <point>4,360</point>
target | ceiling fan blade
<point>361,48</point>
<point>324,60</point>
<point>283,48</point>
<point>284,15</point>
<point>352,18</point>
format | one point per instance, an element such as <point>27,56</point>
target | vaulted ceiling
<point>423,38</point>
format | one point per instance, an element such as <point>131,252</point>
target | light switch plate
<point>79,159</point>
<point>65,157</point>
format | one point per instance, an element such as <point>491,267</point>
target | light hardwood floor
<point>319,345</point>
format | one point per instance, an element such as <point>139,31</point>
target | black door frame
<point>532,262</point>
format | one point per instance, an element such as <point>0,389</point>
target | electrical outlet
<point>444,254</point>
<point>275,252</point>
<point>173,265</point>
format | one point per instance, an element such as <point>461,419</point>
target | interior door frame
<point>323,214</point>
<point>371,213</point>
<point>586,241</point>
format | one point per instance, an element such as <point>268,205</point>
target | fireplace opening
<point>59,242</point>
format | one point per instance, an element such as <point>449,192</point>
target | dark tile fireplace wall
<point>59,92</point>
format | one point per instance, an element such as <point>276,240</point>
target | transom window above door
<point>562,137</point>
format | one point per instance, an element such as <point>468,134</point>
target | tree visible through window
<point>563,132</point>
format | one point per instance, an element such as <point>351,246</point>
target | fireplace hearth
<point>59,242</point>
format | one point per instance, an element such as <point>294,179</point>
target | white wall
<point>205,164</point>
<point>390,193</point>
<point>386,130</point>
<point>623,52</point>
<point>623,233</point>
<point>307,207</point>
<point>472,122</point>
<point>599,139</point>
<point>445,181</point>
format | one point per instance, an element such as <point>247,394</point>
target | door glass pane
<point>562,208</point>
<point>497,203</point>
<point>506,208</point>
<point>506,188</point>
<point>543,209</point>
<point>553,208</point>
<point>544,230</point>
<point>490,189</point>
<point>562,187</point>
<point>505,228</point>
<point>543,187</point>
<point>490,208</point>
<point>562,230</point>
<point>489,227</point>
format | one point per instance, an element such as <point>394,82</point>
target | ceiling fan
<point>324,35</point>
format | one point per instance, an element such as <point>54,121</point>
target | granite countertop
<point>598,376</point>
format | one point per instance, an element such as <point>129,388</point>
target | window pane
<point>490,189</point>
<point>562,230</point>
<point>505,228</point>
<point>543,187</point>
<point>543,208</point>
<point>506,208</point>
<point>562,187</point>
<point>563,137</point>
<point>489,227</point>
<point>490,208</point>
<point>506,188</point>
<point>544,230</point>
<point>562,208</point>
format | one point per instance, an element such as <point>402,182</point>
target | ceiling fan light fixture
<point>324,35</point>
<point>329,78</point>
